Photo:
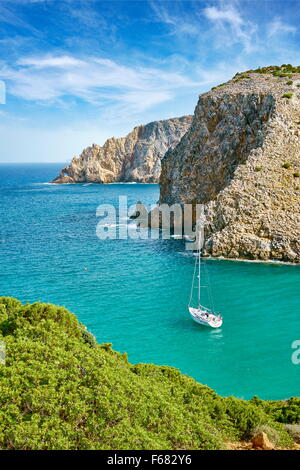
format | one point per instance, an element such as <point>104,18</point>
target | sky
<point>77,72</point>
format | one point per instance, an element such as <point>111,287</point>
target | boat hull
<point>199,317</point>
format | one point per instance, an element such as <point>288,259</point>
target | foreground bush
<point>294,431</point>
<point>59,389</point>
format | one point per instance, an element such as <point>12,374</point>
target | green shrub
<point>287,95</point>
<point>59,389</point>
<point>218,86</point>
<point>287,411</point>
<point>280,74</point>
<point>241,77</point>
<point>286,165</point>
<point>276,70</point>
<point>296,174</point>
<point>258,168</point>
<point>290,82</point>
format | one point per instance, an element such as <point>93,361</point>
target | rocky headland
<point>136,157</point>
<point>241,160</point>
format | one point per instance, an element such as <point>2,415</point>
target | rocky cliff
<point>136,157</point>
<point>241,159</point>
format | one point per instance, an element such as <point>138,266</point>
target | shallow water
<point>134,293</point>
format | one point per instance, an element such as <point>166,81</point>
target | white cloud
<point>49,79</point>
<point>278,27</point>
<point>229,15</point>
<point>45,62</point>
<point>230,27</point>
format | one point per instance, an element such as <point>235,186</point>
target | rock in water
<point>135,157</point>
<point>139,211</point>
<point>241,159</point>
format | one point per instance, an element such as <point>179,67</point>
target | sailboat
<point>202,315</point>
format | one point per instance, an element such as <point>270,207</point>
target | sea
<point>133,292</point>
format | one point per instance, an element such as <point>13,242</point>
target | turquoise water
<point>134,293</point>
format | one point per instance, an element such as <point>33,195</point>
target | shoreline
<point>260,261</point>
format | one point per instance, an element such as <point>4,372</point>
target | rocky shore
<point>136,157</point>
<point>239,156</point>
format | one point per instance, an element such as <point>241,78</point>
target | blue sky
<point>80,71</point>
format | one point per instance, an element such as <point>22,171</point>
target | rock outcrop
<point>261,441</point>
<point>136,157</point>
<point>241,159</point>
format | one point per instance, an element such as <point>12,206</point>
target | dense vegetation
<point>284,70</point>
<point>59,389</point>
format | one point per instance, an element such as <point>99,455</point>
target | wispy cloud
<point>113,65</point>
<point>178,21</point>
<point>230,26</point>
<point>49,79</point>
<point>277,26</point>
<point>226,23</point>
<point>50,62</point>
<point>10,17</point>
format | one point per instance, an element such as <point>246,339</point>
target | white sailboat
<point>202,315</point>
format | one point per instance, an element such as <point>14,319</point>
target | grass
<point>60,389</point>
<point>294,431</point>
<point>218,86</point>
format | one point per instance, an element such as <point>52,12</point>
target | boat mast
<point>193,282</point>
<point>199,261</point>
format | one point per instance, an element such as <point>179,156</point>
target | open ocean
<point>134,293</point>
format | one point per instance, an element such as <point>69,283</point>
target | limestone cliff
<point>241,159</point>
<point>135,157</point>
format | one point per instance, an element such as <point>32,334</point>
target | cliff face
<point>241,159</point>
<point>136,157</point>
